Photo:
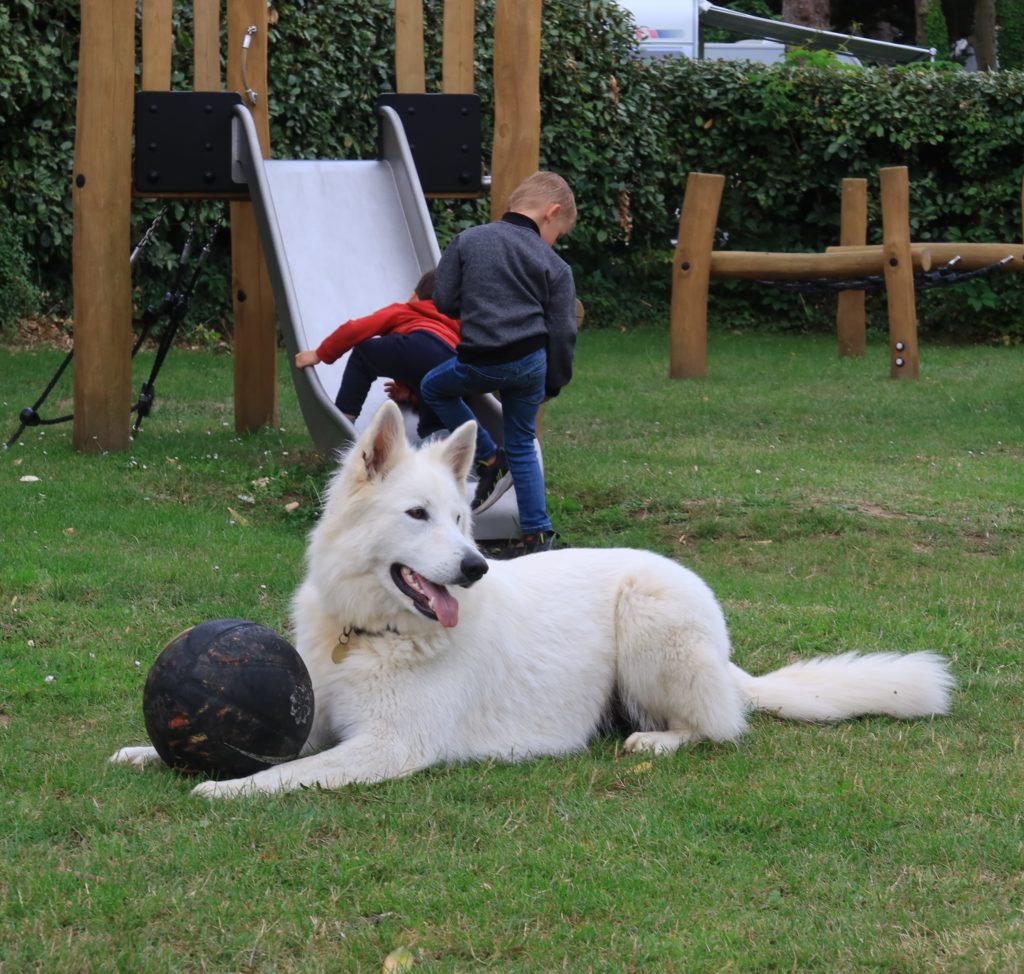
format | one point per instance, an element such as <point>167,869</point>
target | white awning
<point>776,30</point>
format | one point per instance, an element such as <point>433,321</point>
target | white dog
<point>534,656</point>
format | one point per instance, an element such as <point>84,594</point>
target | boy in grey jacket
<point>516,300</point>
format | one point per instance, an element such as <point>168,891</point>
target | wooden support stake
<point>101,206</point>
<point>851,321</point>
<point>206,53</point>
<point>691,271</point>
<point>457,51</point>
<point>899,273</point>
<point>516,151</point>
<point>255,344</point>
<point>156,45</point>
<point>410,70</point>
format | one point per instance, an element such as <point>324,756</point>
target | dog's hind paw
<point>139,756</point>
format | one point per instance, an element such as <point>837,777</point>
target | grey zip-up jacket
<point>512,295</point>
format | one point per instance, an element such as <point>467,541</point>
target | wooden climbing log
<point>255,351</point>
<point>899,272</point>
<point>515,153</point>
<point>837,264</point>
<point>691,270</point>
<point>457,48</point>
<point>156,45</point>
<point>972,255</point>
<point>851,317</point>
<point>206,51</point>
<point>409,59</point>
<point>101,206</point>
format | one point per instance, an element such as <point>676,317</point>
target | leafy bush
<point>18,296</point>
<point>624,132</point>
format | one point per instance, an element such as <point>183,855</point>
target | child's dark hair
<point>425,286</point>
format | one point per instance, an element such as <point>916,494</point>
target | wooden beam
<point>899,273</point>
<point>516,150</point>
<point>691,271</point>
<point>101,206</point>
<point>836,263</point>
<point>156,45</point>
<point>255,333</point>
<point>410,71</point>
<point>206,50</point>
<point>851,319</point>
<point>457,52</point>
<point>972,255</point>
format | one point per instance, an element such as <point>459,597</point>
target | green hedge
<point>624,131</point>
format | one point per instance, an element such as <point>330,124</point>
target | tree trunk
<point>919,8</point>
<point>984,38</point>
<point>808,13</point>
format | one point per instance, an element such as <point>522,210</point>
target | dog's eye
<point>417,513</point>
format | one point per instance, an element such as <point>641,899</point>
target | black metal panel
<point>443,132</point>
<point>183,143</point>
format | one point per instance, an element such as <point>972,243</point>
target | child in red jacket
<point>401,341</point>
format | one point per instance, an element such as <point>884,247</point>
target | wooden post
<point>516,151</point>
<point>156,45</point>
<point>457,51</point>
<point>410,73</point>
<point>899,273</point>
<point>851,322</point>
<point>691,271</point>
<point>101,206</point>
<point>206,45</point>
<point>255,345</point>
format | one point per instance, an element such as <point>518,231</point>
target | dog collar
<point>340,650</point>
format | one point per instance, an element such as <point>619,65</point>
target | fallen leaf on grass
<point>244,521</point>
<point>400,959</point>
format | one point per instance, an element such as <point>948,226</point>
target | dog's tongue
<point>445,607</point>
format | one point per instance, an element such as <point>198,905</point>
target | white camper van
<point>672,28</point>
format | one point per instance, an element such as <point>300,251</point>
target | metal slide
<point>342,239</point>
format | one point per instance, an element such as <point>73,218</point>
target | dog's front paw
<point>235,787</point>
<point>139,756</point>
<point>219,789</point>
<point>657,743</point>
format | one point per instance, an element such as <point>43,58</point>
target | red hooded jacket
<point>399,319</point>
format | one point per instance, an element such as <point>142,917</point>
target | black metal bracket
<point>183,144</point>
<point>443,132</point>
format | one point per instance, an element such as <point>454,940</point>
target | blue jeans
<point>521,384</point>
<point>406,358</point>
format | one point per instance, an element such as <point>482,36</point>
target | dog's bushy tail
<point>831,688</point>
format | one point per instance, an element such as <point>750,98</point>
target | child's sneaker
<point>493,479</point>
<point>533,543</point>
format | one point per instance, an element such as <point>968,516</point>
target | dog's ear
<point>459,449</point>
<point>382,444</point>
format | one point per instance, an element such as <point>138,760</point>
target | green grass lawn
<point>829,507</point>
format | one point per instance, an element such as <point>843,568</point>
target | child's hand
<point>398,391</point>
<point>307,358</point>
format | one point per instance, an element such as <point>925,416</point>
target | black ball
<point>228,698</point>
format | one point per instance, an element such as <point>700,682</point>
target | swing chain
<point>144,240</point>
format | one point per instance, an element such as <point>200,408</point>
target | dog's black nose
<point>474,567</point>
